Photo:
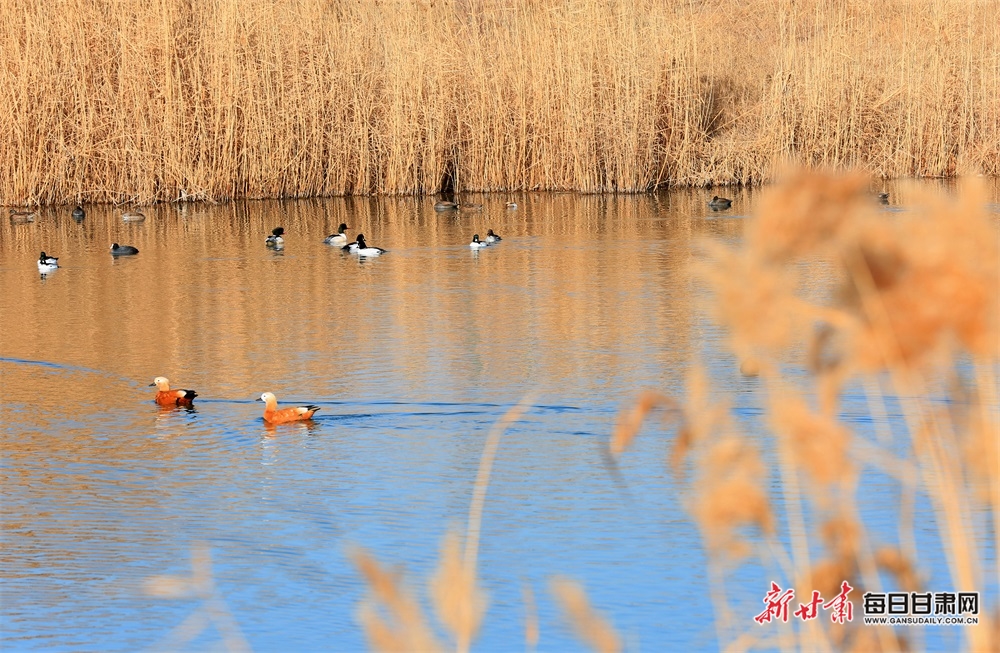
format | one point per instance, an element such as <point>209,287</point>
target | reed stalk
<point>914,304</point>
<point>173,100</point>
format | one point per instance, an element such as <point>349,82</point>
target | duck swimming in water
<point>720,203</point>
<point>476,243</point>
<point>339,238</point>
<point>364,249</point>
<point>47,264</point>
<point>272,415</point>
<point>276,239</point>
<point>22,217</point>
<point>167,397</point>
<point>492,237</point>
<point>123,250</point>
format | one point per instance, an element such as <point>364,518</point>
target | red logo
<point>777,600</point>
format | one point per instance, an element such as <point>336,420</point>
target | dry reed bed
<point>167,100</point>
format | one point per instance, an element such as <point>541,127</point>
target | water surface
<point>412,356</point>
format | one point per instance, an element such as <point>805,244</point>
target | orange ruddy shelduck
<point>167,397</point>
<point>274,416</point>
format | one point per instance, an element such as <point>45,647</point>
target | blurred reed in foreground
<point>211,613</point>
<point>128,101</point>
<point>911,315</point>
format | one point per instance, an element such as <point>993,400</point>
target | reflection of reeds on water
<point>184,101</point>
<point>912,315</point>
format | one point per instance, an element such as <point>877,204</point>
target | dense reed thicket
<point>126,101</point>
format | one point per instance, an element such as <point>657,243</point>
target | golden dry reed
<point>911,312</point>
<point>167,100</point>
<point>590,626</point>
<point>392,617</point>
<point>458,601</point>
<point>531,633</point>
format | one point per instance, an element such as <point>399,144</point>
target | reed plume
<point>458,601</point>
<point>590,626</point>
<point>400,625</point>
<point>909,311</point>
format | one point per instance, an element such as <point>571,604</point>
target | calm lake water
<point>412,356</point>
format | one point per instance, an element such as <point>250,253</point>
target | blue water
<point>412,357</point>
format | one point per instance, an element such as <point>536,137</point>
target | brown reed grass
<point>590,626</point>
<point>135,102</point>
<point>531,630</point>
<point>458,600</point>
<point>731,495</point>
<point>400,625</point>
<point>819,445</point>
<point>631,421</point>
<point>912,311</point>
